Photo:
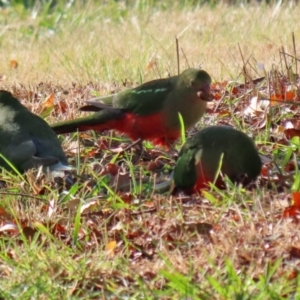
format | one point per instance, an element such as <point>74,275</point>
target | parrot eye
<point>193,82</point>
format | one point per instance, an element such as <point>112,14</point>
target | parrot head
<point>197,81</point>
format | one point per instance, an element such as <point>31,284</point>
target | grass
<point>112,43</point>
<point>93,242</point>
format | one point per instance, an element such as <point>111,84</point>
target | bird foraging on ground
<point>149,111</point>
<point>199,159</point>
<point>26,140</point>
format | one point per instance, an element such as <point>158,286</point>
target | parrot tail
<point>98,121</point>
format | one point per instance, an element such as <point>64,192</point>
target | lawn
<point>116,233</point>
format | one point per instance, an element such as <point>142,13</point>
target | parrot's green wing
<point>26,140</point>
<point>185,175</point>
<point>200,157</point>
<point>145,99</point>
<point>151,97</point>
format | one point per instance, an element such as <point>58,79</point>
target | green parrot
<point>26,140</point>
<point>149,111</point>
<point>199,159</point>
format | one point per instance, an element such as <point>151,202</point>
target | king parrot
<point>149,111</point>
<point>199,159</point>
<point>26,140</point>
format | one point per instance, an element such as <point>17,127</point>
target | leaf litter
<point>121,211</point>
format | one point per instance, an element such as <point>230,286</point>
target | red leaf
<point>13,64</point>
<point>291,132</point>
<point>296,198</point>
<point>295,252</point>
<point>291,212</point>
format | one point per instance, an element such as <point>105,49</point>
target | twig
<point>285,61</point>
<point>186,60</point>
<point>177,53</point>
<point>244,65</point>
<point>22,195</point>
<point>289,55</point>
<point>295,52</point>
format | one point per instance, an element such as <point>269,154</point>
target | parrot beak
<point>205,93</point>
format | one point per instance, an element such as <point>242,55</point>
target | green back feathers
<point>150,97</point>
<point>185,174</point>
<point>145,99</point>
<point>240,157</point>
<point>26,139</point>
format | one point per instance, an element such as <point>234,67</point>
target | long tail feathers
<point>100,121</point>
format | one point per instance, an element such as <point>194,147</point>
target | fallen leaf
<point>295,252</point>
<point>13,64</point>
<point>73,204</point>
<point>110,247</point>
<point>9,227</point>
<point>293,210</point>
<point>89,207</point>
<point>256,107</point>
<point>61,107</point>
<point>49,102</point>
<point>291,132</point>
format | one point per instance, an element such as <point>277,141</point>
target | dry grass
<point>231,244</point>
<point>102,44</point>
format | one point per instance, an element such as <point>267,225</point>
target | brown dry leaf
<point>73,204</point>
<point>92,152</point>
<point>51,208</point>
<point>155,165</point>
<point>219,85</point>
<point>223,113</point>
<point>110,248</point>
<point>217,96</point>
<point>151,64</point>
<point>256,107</point>
<point>293,274</point>
<point>201,228</point>
<point>13,64</point>
<point>89,207</point>
<point>126,197</point>
<point>111,169</point>
<point>29,232</point>
<point>295,252</point>
<point>4,213</point>
<point>290,167</point>
<point>291,132</point>
<point>265,171</point>
<point>103,144</point>
<point>117,150</point>
<point>235,90</point>
<point>292,123</point>
<point>122,182</point>
<point>37,186</point>
<point>285,96</point>
<point>49,102</point>
<point>59,229</point>
<point>293,210</point>
<point>119,181</point>
<point>149,204</point>
<point>9,227</point>
<point>61,107</point>
<point>296,198</point>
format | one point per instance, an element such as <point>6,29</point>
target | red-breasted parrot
<point>26,140</point>
<point>149,111</point>
<point>199,159</point>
